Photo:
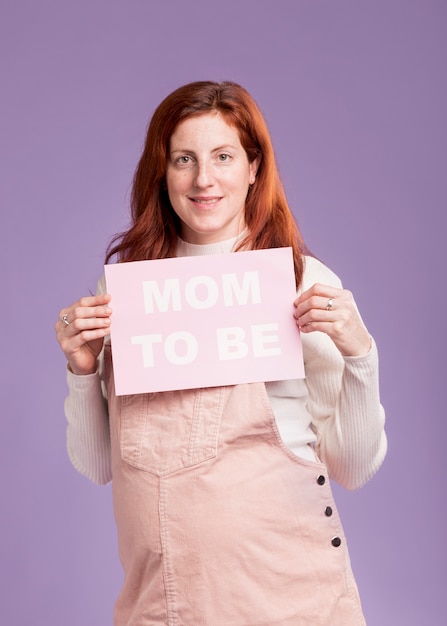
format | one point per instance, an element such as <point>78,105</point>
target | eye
<point>184,159</point>
<point>223,158</point>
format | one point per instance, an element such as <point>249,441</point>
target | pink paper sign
<point>204,321</point>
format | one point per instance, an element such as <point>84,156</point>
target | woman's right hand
<point>80,331</point>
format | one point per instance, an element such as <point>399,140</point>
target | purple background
<point>355,96</point>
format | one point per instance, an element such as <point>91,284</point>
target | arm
<point>344,396</point>
<point>81,337</point>
<point>88,432</point>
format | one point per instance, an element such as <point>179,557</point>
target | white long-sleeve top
<point>334,413</point>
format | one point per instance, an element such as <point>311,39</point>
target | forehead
<point>206,129</point>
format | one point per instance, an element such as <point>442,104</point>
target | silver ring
<point>329,304</point>
<point>65,320</point>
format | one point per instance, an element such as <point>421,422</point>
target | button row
<point>336,541</point>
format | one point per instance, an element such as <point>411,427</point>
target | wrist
<point>362,348</point>
<point>81,372</point>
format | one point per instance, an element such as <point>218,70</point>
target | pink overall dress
<point>219,524</point>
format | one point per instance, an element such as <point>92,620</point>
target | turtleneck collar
<point>193,249</point>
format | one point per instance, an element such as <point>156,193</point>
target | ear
<point>254,169</point>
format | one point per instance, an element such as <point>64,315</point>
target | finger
<point>88,301</point>
<point>83,329</point>
<point>102,298</point>
<point>71,344</point>
<point>323,303</point>
<point>315,316</point>
<point>318,289</point>
<point>89,312</point>
<point>69,329</point>
<point>79,311</point>
<point>82,325</point>
<point>312,326</point>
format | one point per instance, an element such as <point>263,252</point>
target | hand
<point>80,331</point>
<point>334,312</point>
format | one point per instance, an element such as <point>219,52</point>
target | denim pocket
<point>164,432</point>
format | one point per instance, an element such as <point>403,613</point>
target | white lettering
<point>152,294</point>
<point>231,344</point>
<point>172,353</point>
<point>212,292</point>
<point>147,343</point>
<point>232,287</point>
<point>260,337</point>
<point>201,292</point>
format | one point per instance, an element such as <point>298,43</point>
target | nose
<point>204,175</point>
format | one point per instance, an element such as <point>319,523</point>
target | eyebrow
<point>219,148</point>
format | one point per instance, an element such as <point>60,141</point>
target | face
<point>208,177</point>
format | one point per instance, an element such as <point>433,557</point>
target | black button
<point>328,511</point>
<point>321,480</point>
<point>336,542</point>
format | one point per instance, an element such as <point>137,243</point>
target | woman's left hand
<point>334,312</point>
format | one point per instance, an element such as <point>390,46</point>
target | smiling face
<point>208,176</point>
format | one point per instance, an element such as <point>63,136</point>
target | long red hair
<point>156,227</point>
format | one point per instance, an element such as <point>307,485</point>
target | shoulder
<point>317,272</point>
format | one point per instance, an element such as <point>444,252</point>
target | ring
<point>329,304</point>
<point>65,320</point>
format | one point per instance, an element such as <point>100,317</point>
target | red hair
<point>156,227</point>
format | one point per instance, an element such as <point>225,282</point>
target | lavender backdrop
<point>355,96</point>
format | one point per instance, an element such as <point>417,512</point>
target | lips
<point>206,201</point>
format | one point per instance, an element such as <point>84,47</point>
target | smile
<point>209,201</point>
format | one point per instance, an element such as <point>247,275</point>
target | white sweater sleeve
<point>343,400</point>
<point>88,431</point>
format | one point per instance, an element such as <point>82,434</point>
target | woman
<point>222,498</point>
